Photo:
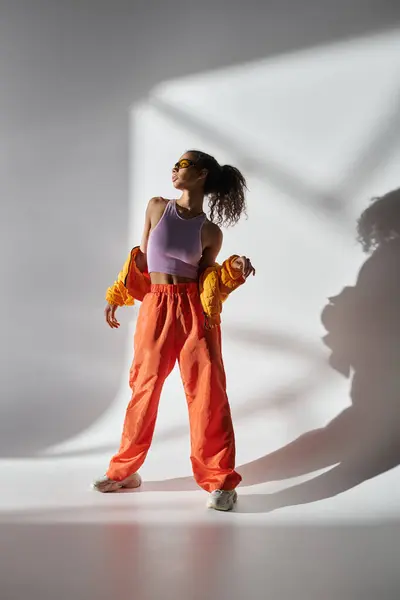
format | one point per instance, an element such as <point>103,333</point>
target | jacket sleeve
<point>216,283</point>
<point>131,283</point>
<point>118,293</point>
<point>210,296</point>
<point>230,278</point>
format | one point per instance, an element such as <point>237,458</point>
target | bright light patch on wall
<point>313,133</point>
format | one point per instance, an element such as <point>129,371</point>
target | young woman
<point>179,243</point>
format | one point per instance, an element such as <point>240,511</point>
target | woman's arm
<point>147,225</point>
<point>212,239</point>
<point>154,211</point>
<point>117,293</point>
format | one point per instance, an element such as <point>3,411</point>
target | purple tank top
<point>174,245</point>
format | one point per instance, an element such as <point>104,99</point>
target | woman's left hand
<point>244,264</point>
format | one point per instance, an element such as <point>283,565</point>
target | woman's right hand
<point>109,313</point>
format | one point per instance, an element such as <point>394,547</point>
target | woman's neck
<point>192,201</point>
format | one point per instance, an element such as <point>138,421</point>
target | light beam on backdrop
<point>306,129</point>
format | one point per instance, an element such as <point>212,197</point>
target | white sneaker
<point>104,484</point>
<point>222,499</point>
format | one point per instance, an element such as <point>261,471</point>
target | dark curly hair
<point>225,187</point>
<point>380,222</point>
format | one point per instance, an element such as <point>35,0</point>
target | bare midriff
<point>165,279</point>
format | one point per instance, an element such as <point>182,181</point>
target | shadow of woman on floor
<point>363,334</point>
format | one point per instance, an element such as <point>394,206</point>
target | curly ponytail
<point>225,187</point>
<point>380,221</point>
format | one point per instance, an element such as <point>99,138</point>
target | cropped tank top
<point>174,245</point>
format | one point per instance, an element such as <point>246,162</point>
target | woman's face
<point>185,174</point>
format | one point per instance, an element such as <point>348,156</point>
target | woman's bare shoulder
<point>156,205</point>
<point>158,201</point>
<point>155,210</point>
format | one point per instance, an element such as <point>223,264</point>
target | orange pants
<point>170,327</point>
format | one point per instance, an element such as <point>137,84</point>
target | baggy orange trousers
<point>171,328</point>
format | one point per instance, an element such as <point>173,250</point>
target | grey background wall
<point>69,71</point>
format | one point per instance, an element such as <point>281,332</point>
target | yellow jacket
<point>215,285</point>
